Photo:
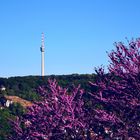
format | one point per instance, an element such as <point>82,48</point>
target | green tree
<point>17,109</point>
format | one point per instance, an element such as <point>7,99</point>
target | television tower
<point>42,49</point>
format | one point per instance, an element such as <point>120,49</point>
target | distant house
<point>8,103</point>
<point>5,102</point>
<point>2,88</point>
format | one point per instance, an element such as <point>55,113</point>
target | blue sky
<point>77,34</point>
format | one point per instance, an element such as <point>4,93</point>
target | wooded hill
<point>25,87</point>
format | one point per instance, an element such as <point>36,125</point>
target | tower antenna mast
<point>42,49</point>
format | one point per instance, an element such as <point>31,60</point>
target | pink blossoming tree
<point>118,92</point>
<point>60,115</point>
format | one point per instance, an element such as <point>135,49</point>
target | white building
<point>2,88</point>
<point>8,103</point>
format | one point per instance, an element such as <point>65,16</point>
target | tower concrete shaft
<point>42,49</point>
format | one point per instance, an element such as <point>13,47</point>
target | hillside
<point>25,87</point>
<point>16,99</point>
<point>22,91</point>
